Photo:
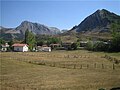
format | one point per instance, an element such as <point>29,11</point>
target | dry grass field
<point>58,70</point>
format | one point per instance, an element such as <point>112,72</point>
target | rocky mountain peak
<point>25,23</point>
<point>97,21</point>
<point>35,28</point>
<point>100,13</point>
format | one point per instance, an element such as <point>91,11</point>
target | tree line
<point>112,45</point>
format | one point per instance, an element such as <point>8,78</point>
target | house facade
<point>83,43</point>
<point>46,49</point>
<point>20,47</point>
<point>5,47</point>
<point>67,45</point>
<point>41,48</point>
<point>54,45</point>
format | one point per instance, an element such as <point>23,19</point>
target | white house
<point>41,48</point>
<point>83,43</point>
<point>46,49</point>
<point>20,47</point>
<point>5,47</point>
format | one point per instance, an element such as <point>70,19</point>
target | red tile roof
<point>19,45</point>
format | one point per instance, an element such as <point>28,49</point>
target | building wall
<point>46,49</point>
<point>4,49</point>
<point>16,48</point>
<point>25,48</point>
<point>21,49</point>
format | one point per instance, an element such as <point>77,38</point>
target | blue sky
<point>63,14</point>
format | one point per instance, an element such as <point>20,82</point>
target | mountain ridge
<point>19,31</point>
<point>100,21</point>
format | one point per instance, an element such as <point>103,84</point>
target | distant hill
<point>18,32</point>
<point>99,21</point>
<point>64,30</point>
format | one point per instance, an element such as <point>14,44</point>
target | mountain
<point>1,27</point>
<point>18,32</point>
<point>64,30</point>
<point>36,28</point>
<point>99,21</point>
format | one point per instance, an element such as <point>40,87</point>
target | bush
<point>89,46</point>
<point>115,43</point>
<point>98,46</point>
<point>74,46</point>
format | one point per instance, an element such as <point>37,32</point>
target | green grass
<point>19,75</point>
<point>115,55</point>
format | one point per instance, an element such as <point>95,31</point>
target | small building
<point>54,45</point>
<point>38,48</point>
<point>67,45</point>
<point>46,49</point>
<point>83,43</point>
<point>44,45</point>
<point>4,47</point>
<point>20,47</point>
<point>41,48</point>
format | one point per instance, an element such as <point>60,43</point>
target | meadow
<point>59,70</point>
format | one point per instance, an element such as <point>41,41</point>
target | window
<point>17,49</point>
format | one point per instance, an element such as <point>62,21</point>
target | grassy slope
<point>73,37</point>
<point>16,75</point>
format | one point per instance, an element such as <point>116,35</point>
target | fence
<point>112,59</point>
<point>68,65</point>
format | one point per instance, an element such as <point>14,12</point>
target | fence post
<point>58,64</point>
<point>95,65</point>
<point>53,64</point>
<point>63,65</point>
<point>68,56</point>
<point>87,65</point>
<point>102,66</point>
<point>35,88</point>
<point>81,66</point>
<point>113,66</point>
<point>74,66</point>
<point>23,88</point>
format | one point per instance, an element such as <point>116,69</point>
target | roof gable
<point>19,45</point>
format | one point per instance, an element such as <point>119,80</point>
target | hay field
<point>58,70</point>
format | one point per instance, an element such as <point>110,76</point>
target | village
<point>21,47</point>
<point>18,47</point>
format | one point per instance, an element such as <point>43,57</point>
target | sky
<point>63,14</point>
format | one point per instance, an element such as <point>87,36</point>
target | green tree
<point>89,45</point>
<point>11,42</point>
<point>100,46</point>
<point>74,46</point>
<point>54,40</point>
<point>115,42</point>
<point>115,29</point>
<point>40,43</point>
<point>30,39</point>
<point>26,36</point>
<point>2,41</point>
